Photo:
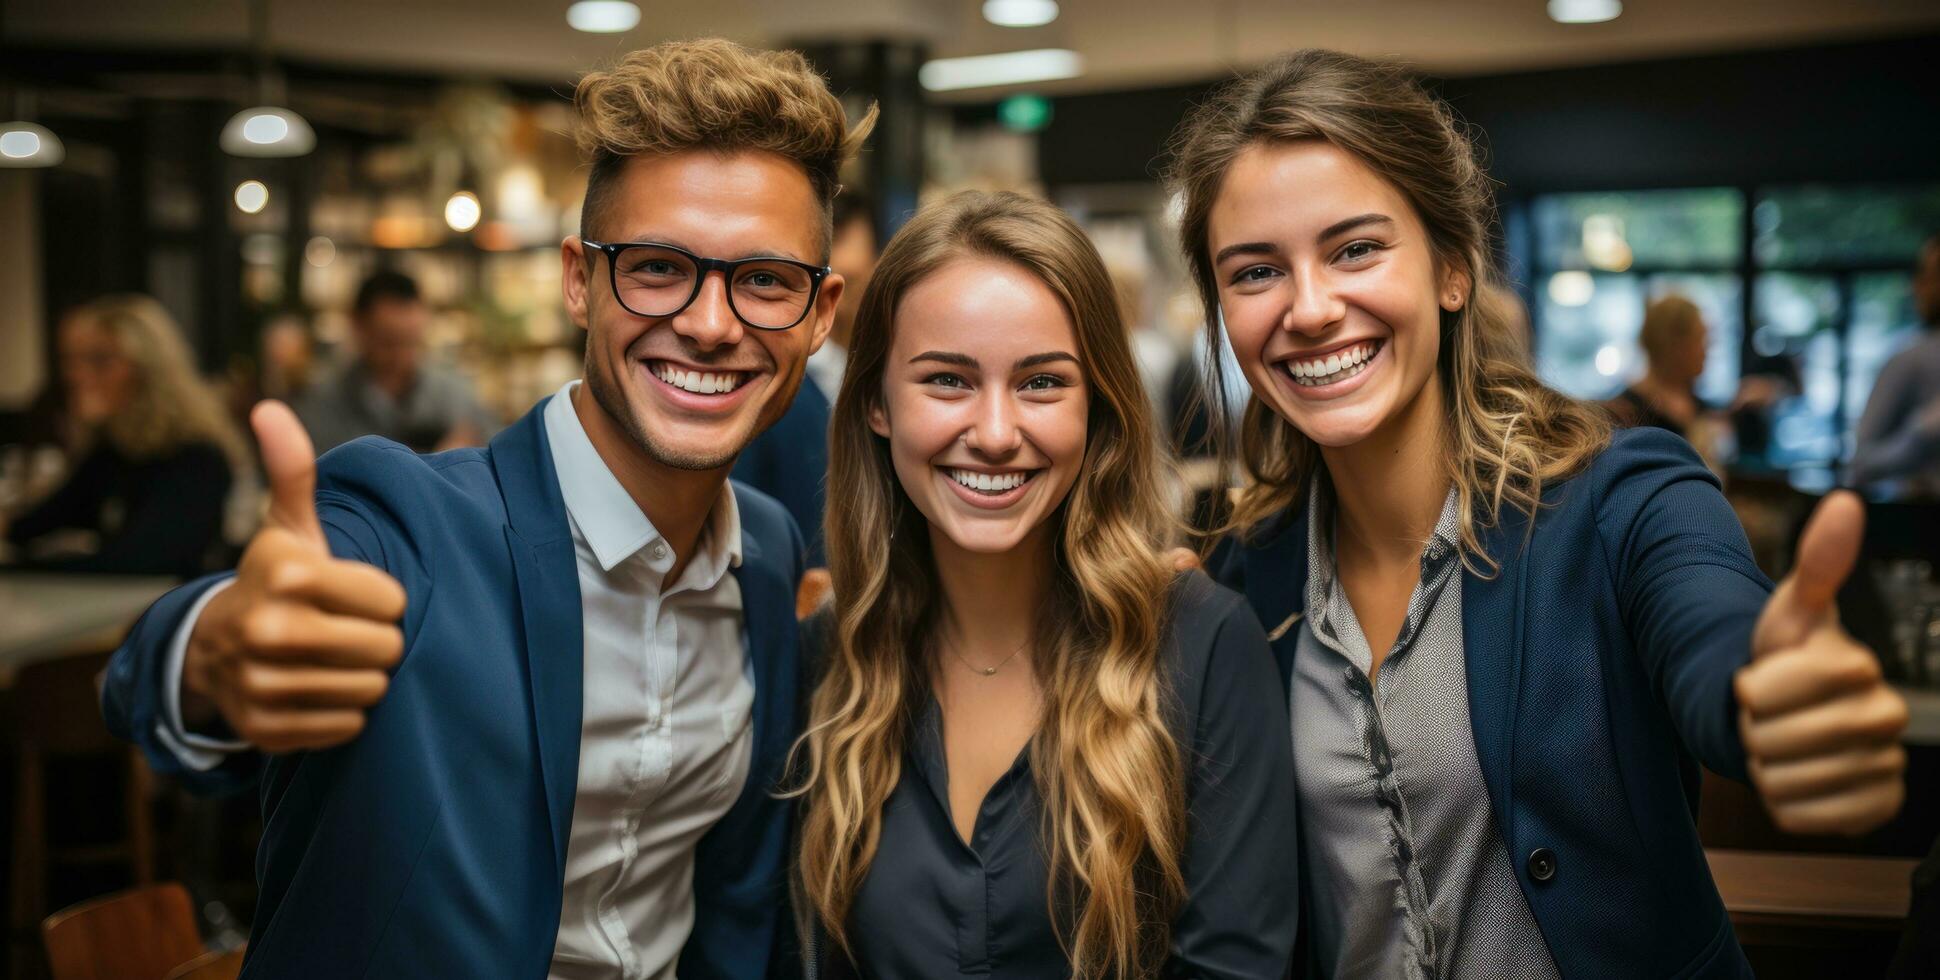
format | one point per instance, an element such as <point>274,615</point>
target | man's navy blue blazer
<point>1600,658</point>
<point>434,844</point>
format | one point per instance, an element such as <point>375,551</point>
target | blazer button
<point>1542,864</point>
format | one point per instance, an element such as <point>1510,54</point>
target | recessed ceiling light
<point>1010,68</point>
<point>1584,11</point>
<point>603,16</point>
<point>1020,13</point>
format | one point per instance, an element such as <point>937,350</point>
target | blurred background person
<point>790,461</point>
<point>155,453</point>
<point>1899,435</point>
<point>1155,351</point>
<point>1674,339</point>
<point>288,359</point>
<point>389,388</point>
<point>852,254</point>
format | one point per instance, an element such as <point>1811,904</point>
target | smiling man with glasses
<point>518,711</point>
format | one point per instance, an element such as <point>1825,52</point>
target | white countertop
<point>45,615</point>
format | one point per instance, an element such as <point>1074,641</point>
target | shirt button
<point>1355,682</point>
<point>659,551</point>
<point>1542,864</point>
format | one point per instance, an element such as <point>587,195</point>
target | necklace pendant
<point>987,671</point>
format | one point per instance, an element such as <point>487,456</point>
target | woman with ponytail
<point>1034,749</point>
<point>1509,636</point>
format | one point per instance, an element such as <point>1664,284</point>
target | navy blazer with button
<point>1600,659</point>
<point>434,843</point>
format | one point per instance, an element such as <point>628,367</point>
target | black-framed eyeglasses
<point>765,292</point>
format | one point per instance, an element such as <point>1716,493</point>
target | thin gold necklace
<point>987,671</point>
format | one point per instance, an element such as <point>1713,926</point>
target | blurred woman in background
<point>156,455</point>
<point>1675,340</point>
<point>1034,749</point>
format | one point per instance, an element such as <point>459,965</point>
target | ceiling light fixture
<point>27,144</point>
<point>1584,11</point>
<point>603,16</point>
<point>266,130</point>
<point>1009,68</point>
<point>1020,13</point>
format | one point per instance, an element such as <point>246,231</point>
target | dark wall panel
<point>1846,112</point>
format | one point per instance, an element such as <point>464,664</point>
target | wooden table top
<point>44,615</point>
<point>1818,886</point>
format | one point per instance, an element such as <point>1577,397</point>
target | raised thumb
<point>1827,550</point>
<point>290,460</point>
<point>1826,554</point>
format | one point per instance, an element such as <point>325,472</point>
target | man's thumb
<point>291,462</point>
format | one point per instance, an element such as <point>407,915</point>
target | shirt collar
<point>605,514</point>
<point>1445,538</point>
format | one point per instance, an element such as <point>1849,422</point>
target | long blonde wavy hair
<point>171,406</point>
<point>1103,759</point>
<point>1507,434</point>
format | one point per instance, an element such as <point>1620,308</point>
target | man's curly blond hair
<point>717,95</point>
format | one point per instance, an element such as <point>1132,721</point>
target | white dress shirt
<point>665,740</point>
<point>664,744</point>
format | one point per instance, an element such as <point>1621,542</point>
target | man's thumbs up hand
<point>300,645</point>
<point>1821,727</point>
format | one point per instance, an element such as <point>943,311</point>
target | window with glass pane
<point>1797,317</point>
<point>1883,323</point>
<point>1590,325</point>
<point>1587,347</point>
<point>1600,257</point>
<point>1819,226</point>
<point>1698,228</point>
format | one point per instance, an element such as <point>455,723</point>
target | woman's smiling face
<point>1328,287</point>
<point>984,403</point>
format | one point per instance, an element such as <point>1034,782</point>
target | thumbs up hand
<point>295,650</point>
<point>1821,727</point>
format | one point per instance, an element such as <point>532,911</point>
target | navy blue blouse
<point>932,906</point>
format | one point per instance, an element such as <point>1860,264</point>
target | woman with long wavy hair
<point>1508,635</point>
<point>1034,749</point>
<point>156,454</point>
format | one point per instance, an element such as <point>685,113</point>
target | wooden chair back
<point>212,965</point>
<point>133,935</point>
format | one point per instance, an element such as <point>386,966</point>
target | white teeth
<point>1334,368</point>
<point>698,382</point>
<point>990,482</point>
